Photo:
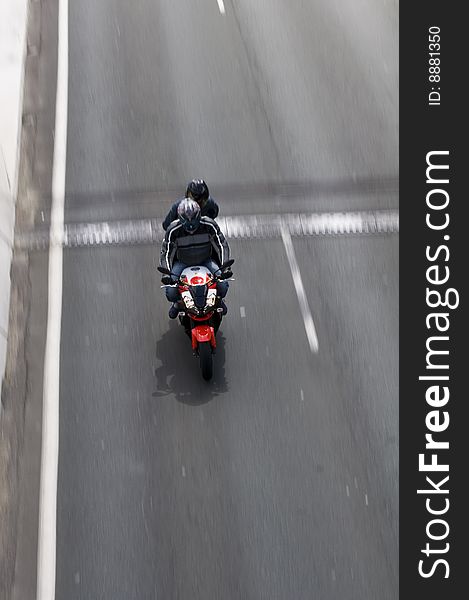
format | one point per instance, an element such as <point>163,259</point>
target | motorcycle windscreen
<point>199,294</point>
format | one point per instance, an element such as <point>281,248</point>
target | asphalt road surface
<point>279,479</point>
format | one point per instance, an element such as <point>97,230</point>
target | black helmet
<point>198,190</point>
<point>189,214</point>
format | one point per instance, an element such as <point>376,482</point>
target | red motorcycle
<point>200,308</point>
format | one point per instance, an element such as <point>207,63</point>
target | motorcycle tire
<point>205,357</point>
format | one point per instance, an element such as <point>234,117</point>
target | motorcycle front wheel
<point>205,357</point>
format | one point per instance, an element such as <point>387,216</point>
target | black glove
<point>226,275</point>
<point>166,280</point>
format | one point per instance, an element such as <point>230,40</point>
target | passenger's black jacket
<point>210,209</point>
<point>193,249</point>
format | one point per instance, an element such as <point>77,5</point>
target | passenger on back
<point>197,190</point>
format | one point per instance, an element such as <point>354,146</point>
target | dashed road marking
<point>300,292</point>
<point>149,231</point>
<point>242,311</point>
<point>221,6</point>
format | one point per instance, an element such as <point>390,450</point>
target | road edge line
<point>46,555</point>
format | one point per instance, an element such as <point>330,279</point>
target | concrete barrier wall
<point>13,20</point>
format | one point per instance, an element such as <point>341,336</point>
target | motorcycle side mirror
<point>163,270</point>
<point>226,275</point>
<point>228,263</point>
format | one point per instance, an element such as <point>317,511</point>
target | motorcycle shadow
<point>179,372</point>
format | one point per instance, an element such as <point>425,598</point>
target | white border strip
<point>221,6</point>
<point>338,223</point>
<point>46,559</point>
<point>149,231</point>
<point>300,292</point>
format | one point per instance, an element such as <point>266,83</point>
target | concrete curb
<point>13,23</point>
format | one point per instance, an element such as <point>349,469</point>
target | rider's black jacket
<point>193,249</point>
<point>209,209</point>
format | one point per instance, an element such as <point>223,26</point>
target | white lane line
<point>149,231</point>
<point>338,223</point>
<point>366,499</point>
<point>242,311</point>
<point>302,396</point>
<point>46,557</point>
<point>300,292</point>
<point>347,489</point>
<point>221,6</point>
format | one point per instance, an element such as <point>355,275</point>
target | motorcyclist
<point>193,240</point>
<point>197,189</point>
